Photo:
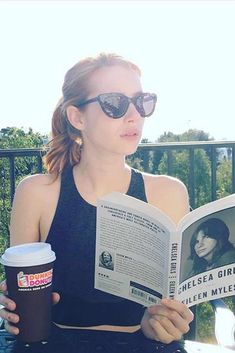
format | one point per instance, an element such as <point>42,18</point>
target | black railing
<point>9,170</point>
<point>149,161</point>
<point>215,151</point>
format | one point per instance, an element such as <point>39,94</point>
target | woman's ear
<point>75,117</point>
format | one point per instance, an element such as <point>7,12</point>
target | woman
<point>210,247</point>
<point>97,122</point>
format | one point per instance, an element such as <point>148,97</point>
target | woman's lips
<point>130,134</point>
<point>200,250</point>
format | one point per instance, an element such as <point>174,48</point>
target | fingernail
<point>15,331</point>
<point>10,306</point>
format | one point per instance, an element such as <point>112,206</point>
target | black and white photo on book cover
<point>208,258</point>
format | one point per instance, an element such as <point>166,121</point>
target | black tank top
<point>72,237</point>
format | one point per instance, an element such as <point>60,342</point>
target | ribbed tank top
<point>72,236</point>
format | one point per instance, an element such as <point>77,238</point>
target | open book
<point>141,255</point>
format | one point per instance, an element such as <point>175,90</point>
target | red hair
<point>66,144</point>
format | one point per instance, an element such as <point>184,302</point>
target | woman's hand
<point>6,312</point>
<point>167,321</point>
<point>8,306</point>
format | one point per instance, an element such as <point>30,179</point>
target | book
<point>141,255</point>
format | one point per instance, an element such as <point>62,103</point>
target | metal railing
<point>11,155</point>
<point>210,147</point>
<point>147,152</point>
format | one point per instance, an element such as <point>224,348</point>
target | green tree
<point>141,159</point>
<point>180,169</point>
<point>205,323</point>
<point>180,163</point>
<point>11,138</point>
<point>190,135</point>
<point>224,177</point>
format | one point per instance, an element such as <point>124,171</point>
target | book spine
<point>173,265</point>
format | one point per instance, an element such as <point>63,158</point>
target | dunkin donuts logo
<point>34,280</point>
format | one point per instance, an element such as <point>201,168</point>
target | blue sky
<point>185,49</point>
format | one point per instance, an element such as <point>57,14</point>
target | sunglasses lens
<point>145,104</point>
<point>114,105</point>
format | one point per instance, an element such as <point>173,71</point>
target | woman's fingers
<point>181,308</point>
<point>9,316</point>
<point>7,303</point>
<point>171,308</point>
<point>159,328</point>
<point>11,329</point>
<point>169,320</point>
<point>7,306</point>
<point>55,298</point>
<point>164,330</point>
<point>3,286</point>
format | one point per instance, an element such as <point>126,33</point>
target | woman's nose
<point>200,242</point>
<point>132,114</point>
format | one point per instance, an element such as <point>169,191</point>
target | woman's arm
<point>25,214</point>
<point>33,208</point>
<point>168,194</point>
<point>31,197</point>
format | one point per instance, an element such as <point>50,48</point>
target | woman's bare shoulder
<point>36,190</point>
<point>166,183</point>
<point>167,193</point>
<point>37,184</point>
<point>35,196</point>
<point>39,180</point>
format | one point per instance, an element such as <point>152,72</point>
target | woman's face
<point>205,246</point>
<point>102,134</point>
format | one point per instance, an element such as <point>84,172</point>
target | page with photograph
<point>207,266</point>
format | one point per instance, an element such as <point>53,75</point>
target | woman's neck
<point>95,178</point>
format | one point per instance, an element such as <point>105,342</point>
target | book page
<point>207,266</point>
<point>132,249</point>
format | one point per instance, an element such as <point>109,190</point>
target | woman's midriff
<point>129,329</point>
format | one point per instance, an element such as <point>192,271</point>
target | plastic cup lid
<point>30,254</point>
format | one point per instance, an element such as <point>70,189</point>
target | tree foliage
<point>224,177</point>
<point>190,135</point>
<point>180,163</point>
<point>11,138</point>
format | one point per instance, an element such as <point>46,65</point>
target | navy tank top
<point>72,237</point>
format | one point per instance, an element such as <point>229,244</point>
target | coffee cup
<point>29,270</point>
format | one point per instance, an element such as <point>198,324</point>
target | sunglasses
<point>115,105</point>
